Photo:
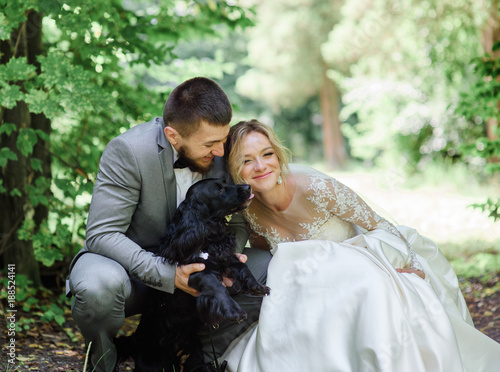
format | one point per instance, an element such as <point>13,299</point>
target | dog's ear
<point>188,232</point>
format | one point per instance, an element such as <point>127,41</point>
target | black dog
<point>197,234</point>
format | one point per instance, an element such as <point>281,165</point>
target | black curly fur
<point>171,322</point>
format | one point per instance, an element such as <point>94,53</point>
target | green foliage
<point>285,51</point>
<point>400,65</point>
<point>52,313</point>
<point>479,265</point>
<point>486,149</point>
<point>480,103</point>
<point>492,207</point>
<point>48,245</point>
<point>481,99</point>
<point>6,154</point>
<point>26,140</point>
<point>15,70</point>
<point>41,304</point>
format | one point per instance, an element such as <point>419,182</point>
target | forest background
<point>404,92</point>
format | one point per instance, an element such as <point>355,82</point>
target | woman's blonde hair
<point>234,152</point>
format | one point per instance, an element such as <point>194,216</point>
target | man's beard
<point>191,164</point>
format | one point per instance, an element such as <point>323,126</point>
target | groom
<point>143,176</point>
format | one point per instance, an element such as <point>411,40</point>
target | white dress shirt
<point>184,178</point>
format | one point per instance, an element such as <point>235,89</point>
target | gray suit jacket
<point>134,199</point>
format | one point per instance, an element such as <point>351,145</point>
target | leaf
<point>49,7</point>
<point>36,164</point>
<point>47,255</point>
<point>15,14</point>
<point>10,95</point>
<point>48,316</point>
<point>6,154</point>
<point>17,69</point>
<point>26,140</point>
<point>55,70</point>
<point>34,199</point>
<point>4,27</point>
<point>36,192</point>
<point>60,319</point>
<point>16,192</point>
<point>7,128</point>
<point>26,230</point>
<point>43,102</point>
<point>28,358</point>
<point>42,135</point>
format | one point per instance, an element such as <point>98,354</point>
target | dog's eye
<point>221,190</point>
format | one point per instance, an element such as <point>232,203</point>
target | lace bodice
<point>321,208</point>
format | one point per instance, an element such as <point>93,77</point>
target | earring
<point>280,180</point>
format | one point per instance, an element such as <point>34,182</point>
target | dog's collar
<point>204,255</point>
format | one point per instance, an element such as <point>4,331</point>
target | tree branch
<point>19,35</point>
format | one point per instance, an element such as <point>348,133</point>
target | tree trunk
<point>16,209</point>
<point>25,42</point>
<point>39,121</point>
<point>333,141</point>
<point>490,35</point>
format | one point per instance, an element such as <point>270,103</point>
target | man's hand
<point>412,271</point>
<point>182,277</point>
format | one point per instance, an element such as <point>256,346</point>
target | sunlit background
<point>398,99</point>
<point>388,96</point>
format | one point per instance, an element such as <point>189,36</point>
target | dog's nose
<point>244,189</point>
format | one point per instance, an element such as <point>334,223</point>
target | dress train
<point>343,307</point>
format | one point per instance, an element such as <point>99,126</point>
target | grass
<point>87,357</point>
<point>473,258</point>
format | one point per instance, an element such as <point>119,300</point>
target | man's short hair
<point>196,100</point>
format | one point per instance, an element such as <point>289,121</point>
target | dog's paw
<point>261,290</point>
<point>213,310</point>
<point>236,314</point>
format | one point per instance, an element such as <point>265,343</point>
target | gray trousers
<point>104,294</point>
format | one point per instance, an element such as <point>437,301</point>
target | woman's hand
<point>242,257</point>
<point>420,273</point>
<point>228,282</point>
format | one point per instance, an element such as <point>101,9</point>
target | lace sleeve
<point>346,204</point>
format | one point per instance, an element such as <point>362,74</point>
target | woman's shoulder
<point>306,177</point>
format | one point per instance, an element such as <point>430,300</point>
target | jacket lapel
<point>165,155</point>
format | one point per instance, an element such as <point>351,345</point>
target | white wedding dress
<point>338,304</point>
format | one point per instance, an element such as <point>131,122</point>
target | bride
<point>349,291</point>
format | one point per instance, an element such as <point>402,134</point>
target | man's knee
<point>99,288</point>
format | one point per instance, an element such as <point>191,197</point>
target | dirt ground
<point>48,348</point>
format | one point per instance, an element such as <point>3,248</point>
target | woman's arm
<point>346,204</point>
